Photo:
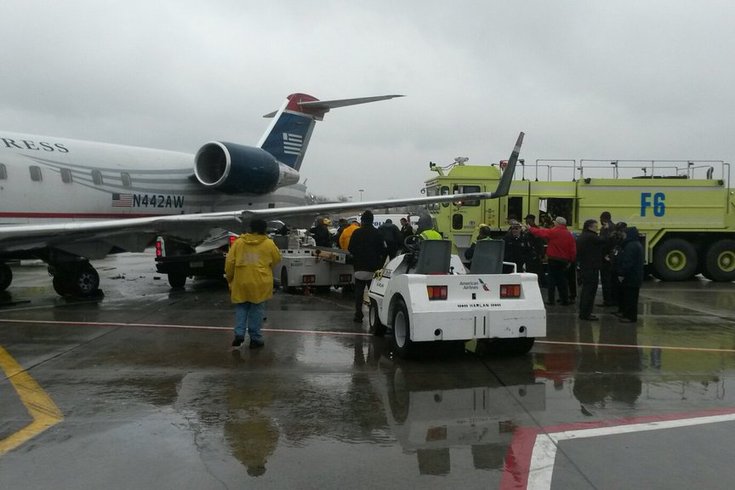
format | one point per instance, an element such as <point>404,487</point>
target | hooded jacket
<point>249,268</point>
<point>630,261</point>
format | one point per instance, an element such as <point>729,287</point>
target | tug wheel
<point>402,342</point>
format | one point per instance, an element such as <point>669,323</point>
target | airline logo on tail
<point>288,135</point>
<point>292,143</point>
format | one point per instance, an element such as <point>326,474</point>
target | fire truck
<point>684,209</point>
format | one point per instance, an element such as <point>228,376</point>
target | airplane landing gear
<point>78,279</point>
<point>6,276</point>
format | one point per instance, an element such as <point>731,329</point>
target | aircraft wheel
<point>6,276</point>
<point>720,261</point>
<point>376,327</point>
<point>402,331</point>
<point>509,347</point>
<point>85,281</point>
<point>176,280</point>
<point>675,260</point>
<point>61,285</point>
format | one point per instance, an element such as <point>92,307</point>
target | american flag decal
<point>292,143</point>
<point>122,200</point>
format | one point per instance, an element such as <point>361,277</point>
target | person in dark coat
<point>607,229</point>
<point>321,234</point>
<point>517,246</point>
<point>482,234</point>
<point>535,261</point>
<point>406,228</point>
<point>392,236</point>
<point>616,239</point>
<point>589,259</point>
<point>368,254</point>
<point>630,263</point>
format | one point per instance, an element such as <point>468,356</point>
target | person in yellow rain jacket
<point>344,238</point>
<point>249,271</point>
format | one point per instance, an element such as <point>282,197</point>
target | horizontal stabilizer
<point>321,107</point>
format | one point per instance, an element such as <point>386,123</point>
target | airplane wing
<point>19,237</point>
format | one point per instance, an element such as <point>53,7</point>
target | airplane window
<point>66,176</point>
<point>97,177</point>
<point>126,180</point>
<point>35,173</point>
<point>3,172</point>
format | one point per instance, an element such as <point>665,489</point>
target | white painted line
<point>544,450</point>
<point>181,327</point>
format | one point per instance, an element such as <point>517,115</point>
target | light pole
<point>360,191</point>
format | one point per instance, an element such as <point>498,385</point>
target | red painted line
<point>517,462</point>
<point>636,346</point>
<point>173,326</point>
<point>78,215</point>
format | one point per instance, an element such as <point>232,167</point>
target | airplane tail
<point>288,135</point>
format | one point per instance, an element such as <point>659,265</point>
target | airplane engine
<point>235,169</point>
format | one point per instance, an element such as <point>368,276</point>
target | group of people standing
<point>604,252</point>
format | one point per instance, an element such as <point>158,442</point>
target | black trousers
<point>629,303</point>
<point>558,280</point>
<point>588,293</point>
<point>609,292</point>
<point>359,293</point>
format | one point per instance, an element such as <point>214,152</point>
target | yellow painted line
<point>40,406</point>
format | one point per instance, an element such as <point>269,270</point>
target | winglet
<point>507,178</point>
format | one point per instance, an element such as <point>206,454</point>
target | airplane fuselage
<point>48,179</point>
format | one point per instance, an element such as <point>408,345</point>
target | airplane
<point>67,201</point>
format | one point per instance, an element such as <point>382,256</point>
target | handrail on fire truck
<point>651,169</point>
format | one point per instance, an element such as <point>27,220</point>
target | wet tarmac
<point>139,389</point>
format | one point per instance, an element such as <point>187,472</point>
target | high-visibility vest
<point>431,235</point>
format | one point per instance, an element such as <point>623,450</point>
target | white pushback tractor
<point>427,295</point>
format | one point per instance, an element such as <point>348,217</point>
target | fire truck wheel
<point>6,276</point>
<point>376,327</point>
<point>675,260</point>
<point>402,330</point>
<point>176,280</point>
<point>720,261</point>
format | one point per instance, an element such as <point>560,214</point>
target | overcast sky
<point>583,79</point>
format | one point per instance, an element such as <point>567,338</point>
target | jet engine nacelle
<point>236,169</point>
